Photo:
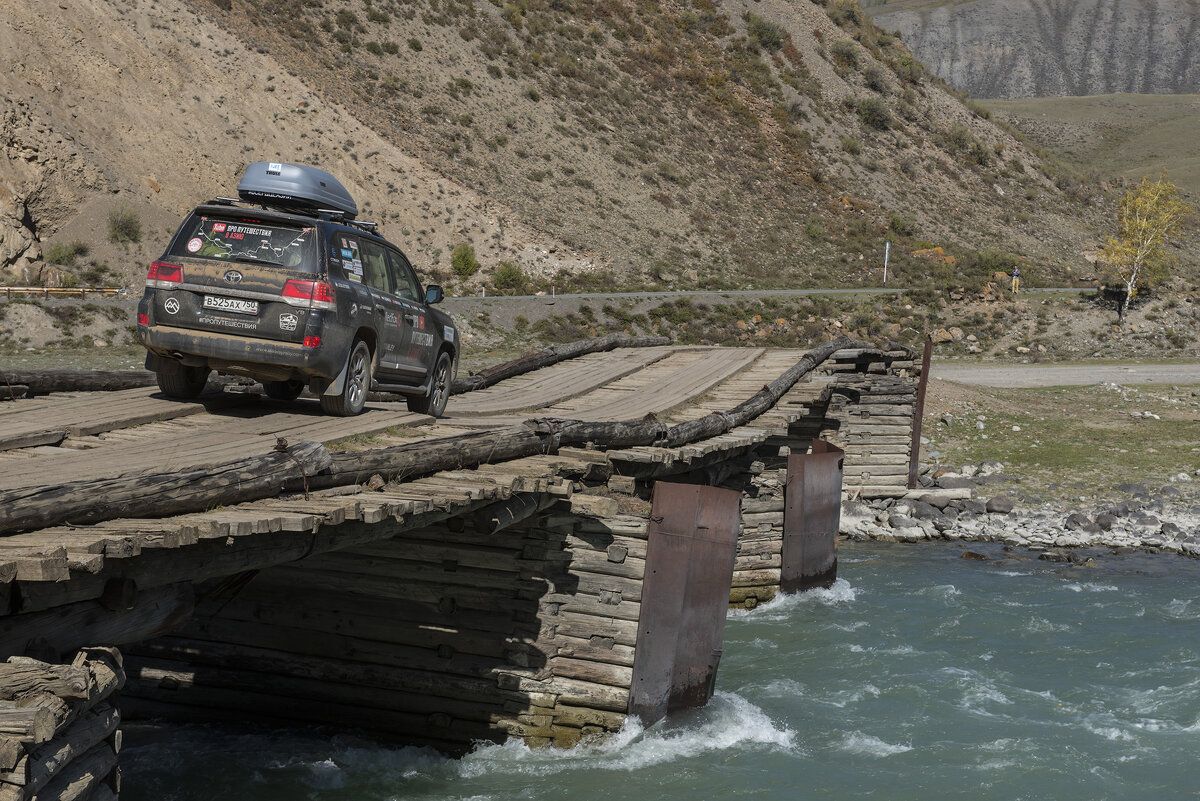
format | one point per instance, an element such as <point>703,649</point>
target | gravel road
<point>1053,375</point>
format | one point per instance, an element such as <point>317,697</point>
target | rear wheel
<point>186,382</point>
<point>353,397</point>
<point>439,390</point>
<point>283,390</point>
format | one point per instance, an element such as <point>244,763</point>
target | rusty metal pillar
<point>812,511</point>
<point>692,543</point>
<point>914,450</point>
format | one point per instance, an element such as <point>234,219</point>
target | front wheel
<point>185,383</point>
<point>353,397</point>
<point>439,390</point>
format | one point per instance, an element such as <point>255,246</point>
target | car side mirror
<point>434,294</point>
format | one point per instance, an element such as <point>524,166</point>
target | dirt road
<point>1052,375</point>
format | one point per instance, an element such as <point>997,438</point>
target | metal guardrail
<point>62,291</point>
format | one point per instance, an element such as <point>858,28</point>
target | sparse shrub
<point>65,254</point>
<point>415,45</point>
<point>845,53</point>
<point>124,225</point>
<point>851,145</point>
<point>533,94</point>
<point>814,230</point>
<point>463,261</point>
<point>902,225</point>
<point>909,69</point>
<point>874,113</point>
<point>768,35</point>
<point>875,79</point>
<point>959,137</point>
<point>846,13</point>
<point>509,277</point>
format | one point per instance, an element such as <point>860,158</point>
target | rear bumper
<point>263,359</point>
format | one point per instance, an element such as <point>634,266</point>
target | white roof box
<point>295,186</point>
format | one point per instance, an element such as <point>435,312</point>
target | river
<point>919,675</point>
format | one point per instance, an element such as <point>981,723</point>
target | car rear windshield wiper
<point>252,260</point>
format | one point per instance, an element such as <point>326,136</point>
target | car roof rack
<point>297,188</point>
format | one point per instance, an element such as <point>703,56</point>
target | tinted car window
<point>232,239</point>
<point>374,263</point>
<point>407,285</point>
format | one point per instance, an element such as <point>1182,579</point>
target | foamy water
<point>917,675</point>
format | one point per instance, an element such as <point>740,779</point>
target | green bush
<point>846,13</point>
<point>845,53</point>
<point>65,253</point>
<point>908,69</point>
<point>768,35</point>
<point>876,79</point>
<point>124,225</point>
<point>851,145</point>
<point>463,261</point>
<point>902,225</point>
<point>509,277</point>
<point>874,113</point>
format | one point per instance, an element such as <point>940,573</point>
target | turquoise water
<point>920,675</point>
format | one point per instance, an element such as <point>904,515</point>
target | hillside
<point>588,142</point>
<point>1044,48</point>
<point>1121,135</point>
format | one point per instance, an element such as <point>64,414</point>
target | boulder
<point>955,482</point>
<point>970,506</point>
<point>1001,504</point>
<point>1078,521</point>
<point>990,468</point>
<point>902,521</point>
<point>1105,521</point>
<point>1171,531</point>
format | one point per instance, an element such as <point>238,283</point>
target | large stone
<point>955,482</point>
<point>1001,504</point>
<point>1106,521</point>
<point>1136,490</point>
<point>990,468</point>
<point>970,506</point>
<point>902,521</point>
<point>1171,531</point>
<point>924,511</point>
<point>1077,521</point>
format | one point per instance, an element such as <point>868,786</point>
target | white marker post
<point>887,249</point>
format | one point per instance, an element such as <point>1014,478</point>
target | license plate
<point>231,304</point>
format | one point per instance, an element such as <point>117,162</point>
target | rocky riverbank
<point>980,503</point>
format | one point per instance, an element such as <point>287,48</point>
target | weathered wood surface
<point>20,677</point>
<point>48,421</point>
<point>555,384</point>
<point>34,770</point>
<point>161,494</point>
<point>41,382</point>
<point>552,355</point>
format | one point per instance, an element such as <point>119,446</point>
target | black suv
<point>294,292</point>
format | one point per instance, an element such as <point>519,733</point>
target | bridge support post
<point>811,514</point>
<point>685,595</point>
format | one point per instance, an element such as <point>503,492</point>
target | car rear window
<point>248,240</point>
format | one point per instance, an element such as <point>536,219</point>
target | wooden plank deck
<point>200,440</point>
<point>555,384</point>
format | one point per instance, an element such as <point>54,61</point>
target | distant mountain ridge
<point>1049,48</point>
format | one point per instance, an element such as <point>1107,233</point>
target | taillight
<point>163,275</point>
<point>312,342</point>
<point>308,294</point>
<point>143,319</point>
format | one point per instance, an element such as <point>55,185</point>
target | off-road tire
<point>283,390</point>
<point>353,397</point>
<point>186,383</point>
<point>439,390</point>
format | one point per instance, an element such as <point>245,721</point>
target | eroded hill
<point>1050,48</point>
<point>581,142</point>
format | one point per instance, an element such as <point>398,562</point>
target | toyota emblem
<point>233,276</point>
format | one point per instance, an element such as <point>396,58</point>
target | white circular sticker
<point>195,244</point>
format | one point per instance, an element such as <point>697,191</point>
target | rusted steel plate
<point>685,594</point>
<point>811,514</point>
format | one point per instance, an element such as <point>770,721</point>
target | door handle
<point>411,318</point>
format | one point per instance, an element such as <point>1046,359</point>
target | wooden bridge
<point>554,554</point>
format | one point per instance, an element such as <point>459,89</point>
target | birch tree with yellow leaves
<point>1137,257</point>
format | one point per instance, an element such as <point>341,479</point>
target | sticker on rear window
<point>194,244</point>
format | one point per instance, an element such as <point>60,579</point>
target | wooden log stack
<point>867,410</point>
<point>870,417</point>
<point>59,739</point>
<point>440,636</point>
